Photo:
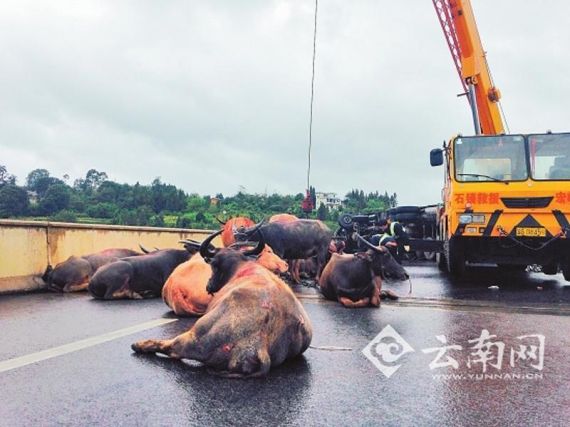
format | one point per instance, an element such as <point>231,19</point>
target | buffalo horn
<point>370,245</point>
<point>145,250</point>
<point>252,230</point>
<point>237,245</point>
<point>220,221</point>
<point>205,249</point>
<point>191,243</point>
<point>257,250</point>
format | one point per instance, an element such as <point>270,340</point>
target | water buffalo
<point>253,322</point>
<point>185,290</point>
<point>307,268</point>
<point>73,274</point>
<point>300,239</point>
<point>138,277</point>
<point>231,226</point>
<point>355,280</point>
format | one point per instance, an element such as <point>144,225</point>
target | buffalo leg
<point>182,346</point>
<point>364,302</point>
<point>294,271</point>
<point>76,288</point>
<point>375,299</point>
<point>155,346</point>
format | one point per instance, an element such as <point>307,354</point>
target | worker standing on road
<point>394,233</point>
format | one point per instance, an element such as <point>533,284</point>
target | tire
<point>429,256</point>
<point>345,221</point>
<point>455,256</point>
<point>407,217</point>
<point>407,209</point>
<point>550,269</point>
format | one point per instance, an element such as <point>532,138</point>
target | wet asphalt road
<point>107,384</point>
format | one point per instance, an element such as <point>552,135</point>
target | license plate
<point>531,232</point>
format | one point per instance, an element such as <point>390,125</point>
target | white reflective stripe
<point>384,237</point>
<point>28,359</point>
<point>392,227</point>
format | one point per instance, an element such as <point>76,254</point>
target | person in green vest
<point>394,237</point>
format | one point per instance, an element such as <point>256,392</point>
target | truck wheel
<point>429,256</point>
<point>407,209</point>
<point>345,221</point>
<point>455,256</point>
<point>407,217</point>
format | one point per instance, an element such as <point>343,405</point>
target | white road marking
<point>18,362</point>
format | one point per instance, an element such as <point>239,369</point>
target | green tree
<point>92,181</point>
<point>57,197</point>
<point>13,201</point>
<point>34,176</point>
<point>5,177</point>
<point>102,210</point>
<point>323,212</point>
<point>40,181</point>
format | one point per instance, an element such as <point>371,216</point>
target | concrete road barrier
<point>27,247</point>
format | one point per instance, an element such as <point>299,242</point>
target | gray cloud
<point>215,95</point>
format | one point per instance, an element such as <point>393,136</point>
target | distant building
<point>330,200</point>
<point>32,197</point>
<point>214,201</point>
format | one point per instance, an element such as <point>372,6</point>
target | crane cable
<point>312,97</point>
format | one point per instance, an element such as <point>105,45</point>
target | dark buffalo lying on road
<point>73,274</point>
<point>355,280</point>
<point>185,290</point>
<point>300,239</point>
<point>138,277</point>
<point>253,322</point>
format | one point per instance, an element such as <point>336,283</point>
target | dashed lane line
<point>18,362</point>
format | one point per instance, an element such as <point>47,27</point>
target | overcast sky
<point>213,96</point>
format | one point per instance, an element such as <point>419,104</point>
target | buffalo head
<point>224,261</point>
<point>71,272</point>
<point>382,262</point>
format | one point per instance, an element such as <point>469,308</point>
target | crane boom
<point>460,31</point>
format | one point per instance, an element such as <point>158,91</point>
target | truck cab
<point>506,201</point>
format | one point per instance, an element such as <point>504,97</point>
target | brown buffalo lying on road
<point>253,322</point>
<point>355,280</point>
<point>185,290</point>
<point>139,277</point>
<point>73,274</point>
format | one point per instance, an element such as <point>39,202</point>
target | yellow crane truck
<point>506,197</point>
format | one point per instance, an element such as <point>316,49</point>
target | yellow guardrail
<point>27,247</point>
